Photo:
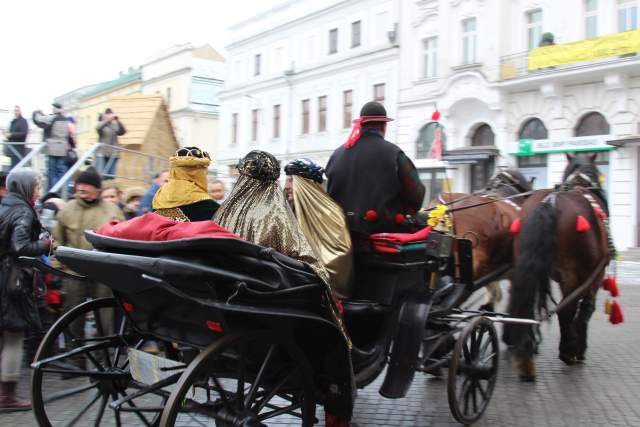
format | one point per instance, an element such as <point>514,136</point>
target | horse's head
<point>511,179</point>
<point>582,170</point>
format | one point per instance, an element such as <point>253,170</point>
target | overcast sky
<point>52,47</point>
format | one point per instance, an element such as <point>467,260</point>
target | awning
<point>628,141</point>
<point>470,155</point>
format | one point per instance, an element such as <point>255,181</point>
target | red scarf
<point>356,132</point>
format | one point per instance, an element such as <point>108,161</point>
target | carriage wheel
<point>244,380</point>
<point>473,370</point>
<point>93,369</point>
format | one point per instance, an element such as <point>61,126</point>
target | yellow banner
<point>585,50</point>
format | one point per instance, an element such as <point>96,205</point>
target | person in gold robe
<point>185,196</point>
<point>322,221</point>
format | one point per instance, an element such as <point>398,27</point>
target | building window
<point>378,93</point>
<point>590,18</point>
<point>256,64</point>
<point>533,129</point>
<point>234,128</point>
<point>276,121</point>
<point>429,134</point>
<point>347,106</point>
<point>254,125</point>
<point>469,39</point>
<point>483,136</point>
<point>333,41</point>
<point>355,33</point>
<point>322,113</point>
<point>627,15</point>
<point>305,116</point>
<point>534,28</point>
<point>430,55</point>
<point>592,124</point>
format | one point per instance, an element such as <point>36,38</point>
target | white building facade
<point>190,79</point>
<point>469,58</point>
<point>299,74</point>
<point>291,70</point>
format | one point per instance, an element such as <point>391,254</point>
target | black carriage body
<point>195,291</point>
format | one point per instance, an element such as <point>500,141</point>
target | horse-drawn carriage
<point>245,337</point>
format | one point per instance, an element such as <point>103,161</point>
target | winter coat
<point>56,132</point>
<point>78,216</point>
<point>109,131</point>
<point>19,129</point>
<point>19,236</point>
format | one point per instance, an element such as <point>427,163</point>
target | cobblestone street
<point>604,391</point>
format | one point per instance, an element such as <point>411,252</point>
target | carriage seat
<point>228,254</point>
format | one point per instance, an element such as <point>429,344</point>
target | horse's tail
<point>534,265</point>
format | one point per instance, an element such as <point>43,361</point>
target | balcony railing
<point>516,65</point>
<point>613,48</point>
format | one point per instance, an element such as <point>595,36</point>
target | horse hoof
<point>526,369</point>
<point>569,359</point>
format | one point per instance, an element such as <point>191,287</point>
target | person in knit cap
<point>185,196</point>
<point>321,220</point>
<point>86,212</point>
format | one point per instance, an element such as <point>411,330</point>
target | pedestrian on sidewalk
<point>20,235</point>
<point>17,134</point>
<point>86,212</point>
<point>109,128</point>
<point>57,136</point>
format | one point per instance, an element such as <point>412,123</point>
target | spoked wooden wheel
<point>244,380</point>
<point>473,370</point>
<point>93,368</point>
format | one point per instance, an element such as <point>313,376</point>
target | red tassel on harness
<point>616,313</point>
<point>600,213</point>
<point>611,284</point>
<point>371,215</point>
<point>582,224</point>
<point>516,226</point>
<point>399,218</point>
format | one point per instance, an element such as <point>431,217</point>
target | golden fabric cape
<point>187,183</point>
<point>258,212</point>
<point>322,221</point>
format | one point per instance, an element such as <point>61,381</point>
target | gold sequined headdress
<point>187,180</point>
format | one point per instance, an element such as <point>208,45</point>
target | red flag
<point>436,147</point>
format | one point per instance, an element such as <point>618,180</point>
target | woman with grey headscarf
<point>19,236</point>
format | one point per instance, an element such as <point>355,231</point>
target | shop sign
<point>529,147</point>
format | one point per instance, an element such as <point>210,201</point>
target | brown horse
<point>487,225</point>
<point>551,246</point>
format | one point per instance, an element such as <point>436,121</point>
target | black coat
<point>19,129</point>
<point>366,177</point>
<point>19,236</point>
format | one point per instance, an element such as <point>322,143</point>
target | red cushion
<point>401,238</point>
<point>153,227</point>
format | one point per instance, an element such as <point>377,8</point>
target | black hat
<point>108,111</point>
<point>374,112</point>
<point>57,105</point>
<point>90,177</point>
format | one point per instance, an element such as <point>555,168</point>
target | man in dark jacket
<point>18,130</point>
<point>372,179</point>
